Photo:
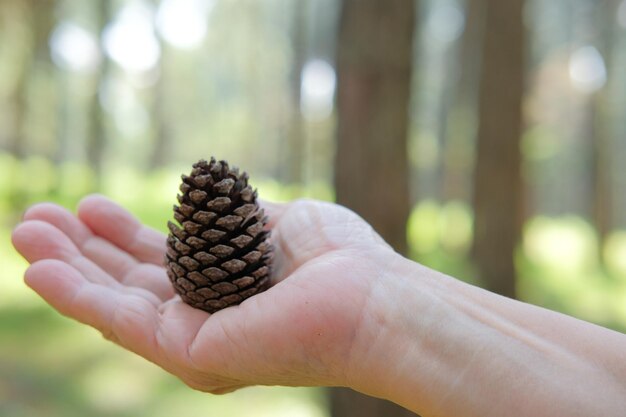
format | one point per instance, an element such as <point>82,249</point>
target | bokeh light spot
<point>587,69</point>
<point>183,23</point>
<point>74,48</point>
<point>129,39</point>
<point>317,89</point>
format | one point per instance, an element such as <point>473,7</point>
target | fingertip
<point>99,213</point>
<point>17,235</point>
<point>114,223</point>
<point>36,211</point>
<point>40,271</point>
<point>59,217</point>
<point>68,291</point>
<point>36,240</point>
<point>22,235</point>
<point>92,202</point>
<point>54,280</point>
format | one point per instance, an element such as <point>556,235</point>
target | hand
<point>103,268</point>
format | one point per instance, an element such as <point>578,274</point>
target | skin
<point>344,310</point>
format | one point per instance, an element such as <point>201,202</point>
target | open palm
<point>103,268</point>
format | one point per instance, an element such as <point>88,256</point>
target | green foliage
<point>560,268</point>
<point>440,236</point>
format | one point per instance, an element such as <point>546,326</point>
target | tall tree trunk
<point>497,186</point>
<point>15,143</point>
<point>96,142</point>
<point>462,122</point>
<point>618,108</point>
<point>15,106</point>
<point>371,168</point>
<point>162,125</point>
<point>374,83</point>
<point>601,113</point>
<point>161,120</point>
<point>39,16</point>
<point>40,19</point>
<point>296,133</point>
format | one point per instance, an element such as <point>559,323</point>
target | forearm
<point>445,348</point>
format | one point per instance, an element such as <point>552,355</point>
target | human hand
<point>105,269</point>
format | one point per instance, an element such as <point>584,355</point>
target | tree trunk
<point>497,181</point>
<point>371,168</point>
<point>161,120</point>
<point>96,142</point>
<point>374,83</point>
<point>39,16</point>
<point>461,136</point>
<point>296,133</point>
<point>16,141</point>
<point>601,114</point>
<point>162,125</point>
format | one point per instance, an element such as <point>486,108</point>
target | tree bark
<point>39,16</point>
<point>16,141</point>
<point>602,132</point>
<point>374,61</point>
<point>96,142</point>
<point>374,83</point>
<point>497,178</point>
<point>161,120</point>
<point>296,133</point>
<point>461,135</point>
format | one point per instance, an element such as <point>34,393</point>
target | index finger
<point>115,224</point>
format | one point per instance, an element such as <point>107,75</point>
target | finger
<point>151,277</point>
<point>114,261</point>
<point>37,240</point>
<point>62,219</point>
<point>273,210</point>
<point>127,319</point>
<point>106,255</point>
<point>282,260</point>
<point>298,236</point>
<point>307,229</point>
<point>126,269</point>
<point>115,224</point>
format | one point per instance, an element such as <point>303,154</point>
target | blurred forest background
<point>483,138</point>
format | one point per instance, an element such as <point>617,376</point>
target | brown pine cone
<point>221,254</point>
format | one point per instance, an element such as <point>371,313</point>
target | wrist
<point>401,311</point>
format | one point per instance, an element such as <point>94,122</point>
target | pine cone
<point>221,255</point>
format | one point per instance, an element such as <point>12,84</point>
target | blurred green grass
<point>50,366</point>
